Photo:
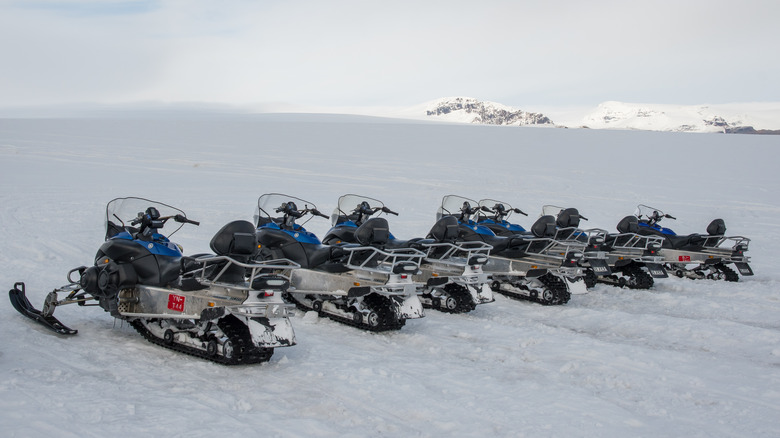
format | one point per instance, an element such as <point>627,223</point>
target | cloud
<point>393,53</point>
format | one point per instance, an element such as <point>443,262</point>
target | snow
<point>686,358</point>
<point>616,115</point>
<point>692,118</point>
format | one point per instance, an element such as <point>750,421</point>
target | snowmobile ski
<point>19,300</point>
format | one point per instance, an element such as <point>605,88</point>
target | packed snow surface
<point>686,358</point>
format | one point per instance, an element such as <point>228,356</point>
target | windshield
<point>120,211</point>
<point>452,205</point>
<point>349,203</point>
<point>647,212</point>
<point>268,203</point>
<point>551,210</point>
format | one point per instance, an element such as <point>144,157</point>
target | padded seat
<point>236,240</point>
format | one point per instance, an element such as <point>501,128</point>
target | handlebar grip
<point>669,216</point>
<point>183,219</point>
<point>388,211</point>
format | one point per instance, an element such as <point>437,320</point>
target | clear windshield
<point>452,205</point>
<point>647,212</point>
<point>348,203</point>
<point>268,204</point>
<point>120,211</point>
<point>551,210</point>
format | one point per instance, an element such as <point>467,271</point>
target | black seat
<point>373,232</point>
<point>444,230</point>
<point>236,240</point>
<point>626,227</point>
<point>716,228</point>
<point>544,226</point>
<point>629,224</point>
<point>569,217</point>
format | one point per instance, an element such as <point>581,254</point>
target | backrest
<point>629,224</point>
<point>569,217</point>
<point>716,228</point>
<point>374,231</point>
<point>445,229</point>
<point>544,226</point>
<point>235,238</point>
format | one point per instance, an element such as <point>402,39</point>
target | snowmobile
<point>451,272</point>
<point>532,266</point>
<point>566,233</point>
<point>625,259</point>
<point>696,256</point>
<point>357,284</point>
<point>199,305</point>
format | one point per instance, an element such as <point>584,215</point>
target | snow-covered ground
<point>687,358</point>
<point>686,118</point>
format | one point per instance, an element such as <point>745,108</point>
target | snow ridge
<point>470,110</point>
<point>679,118</point>
<point>739,118</point>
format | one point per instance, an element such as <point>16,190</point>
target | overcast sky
<point>389,53</point>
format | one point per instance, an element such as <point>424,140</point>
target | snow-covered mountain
<point>737,118</point>
<point>470,110</point>
<point>750,118</point>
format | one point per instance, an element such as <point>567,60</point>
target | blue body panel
<point>511,227</point>
<point>479,229</point>
<point>662,230</point>
<point>159,245</point>
<point>298,233</point>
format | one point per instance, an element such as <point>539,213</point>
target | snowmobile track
<point>236,333</point>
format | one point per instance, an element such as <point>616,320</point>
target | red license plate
<point>176,302</point>
<point>685,258</point>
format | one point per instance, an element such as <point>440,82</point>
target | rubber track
<point>728,273</point>
<point>561,294</point>
<point>236,333</point>
<point>590,278</point>
<point>639,278</point>
<point>465,303</point>
<point>387,319</point>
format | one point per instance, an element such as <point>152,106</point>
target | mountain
<point>470,110</point>
<point>737,118</point>
<point>750,118</point>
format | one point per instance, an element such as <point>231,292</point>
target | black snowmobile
<point>623,259</point>
<point>357,284</point>
<point>696,256</point>
<point>199,305</point>
<point>451,271</point>
<point>533,266</point>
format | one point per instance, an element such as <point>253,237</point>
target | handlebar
<point>178,218</point>
<point>315,212</point>
<point>183,219</point>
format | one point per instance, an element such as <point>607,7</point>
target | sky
<point>350,53</point>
